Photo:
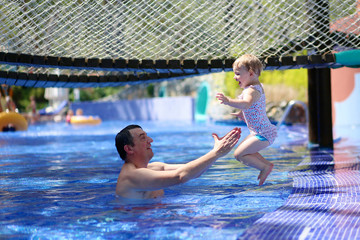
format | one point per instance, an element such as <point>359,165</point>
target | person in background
<point>69,114</point>
<point>2,101</point>
<point>252,109</point>
<point>139,179</point>
<point>33,114</point>
<point>10,104</point>
<point>79,112</point>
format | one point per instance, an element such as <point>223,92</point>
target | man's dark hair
<point>124,138</point>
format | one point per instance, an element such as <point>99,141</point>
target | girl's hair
<point>249,61</point>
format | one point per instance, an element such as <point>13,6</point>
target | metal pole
<point>313,108</point>
<point>319,82</point>
<point>320,114</point>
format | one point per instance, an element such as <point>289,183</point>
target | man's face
<point>142,144</point>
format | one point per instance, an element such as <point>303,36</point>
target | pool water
<point>58,181</point>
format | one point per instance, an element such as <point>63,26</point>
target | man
<point>140,179</point>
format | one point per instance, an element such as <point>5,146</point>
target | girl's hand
<point>238,114</point>
<point>222,98</point>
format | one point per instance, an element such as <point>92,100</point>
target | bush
<point>291,81</point>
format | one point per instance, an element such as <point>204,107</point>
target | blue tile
<point>324,204</point>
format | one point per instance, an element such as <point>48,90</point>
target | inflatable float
<point>12,121</point>
<point>89,120</point>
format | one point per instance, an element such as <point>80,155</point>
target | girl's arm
<point>250,96</point>
<point>239,115</point>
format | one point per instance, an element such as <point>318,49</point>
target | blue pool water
<point>57,181</point>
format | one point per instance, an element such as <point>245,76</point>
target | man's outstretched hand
<point>223,145</point>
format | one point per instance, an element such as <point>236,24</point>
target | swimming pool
<point>58,181</point>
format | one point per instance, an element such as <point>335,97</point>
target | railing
<point>290,105</point>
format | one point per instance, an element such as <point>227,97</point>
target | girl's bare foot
<point>265,173</point>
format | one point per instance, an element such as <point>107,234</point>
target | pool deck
<point>325,201</point>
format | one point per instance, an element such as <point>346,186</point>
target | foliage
<point>231,86</point>
<point>294,78</point>
<point>21,95</point>
<point>90,94</point>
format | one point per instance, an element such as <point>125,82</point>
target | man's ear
<point>128,149</point>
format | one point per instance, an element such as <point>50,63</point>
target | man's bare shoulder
<point>160,166</point>
<point>128,168</point>
<point>125,186</point>
<point>156,166</point>
<point>127,171</point>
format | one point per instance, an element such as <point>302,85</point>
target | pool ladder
<point>288,109</point>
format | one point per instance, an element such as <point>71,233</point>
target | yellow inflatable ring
<point>90,120</point>
<point>14,119</point>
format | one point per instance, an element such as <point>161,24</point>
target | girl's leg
<point>264,173</point>
<point>248,153</point>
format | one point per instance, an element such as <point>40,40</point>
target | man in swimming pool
<point>140,179</point>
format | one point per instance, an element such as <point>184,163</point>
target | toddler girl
<point>251,104</point>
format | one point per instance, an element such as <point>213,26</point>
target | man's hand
<point>224,145</point>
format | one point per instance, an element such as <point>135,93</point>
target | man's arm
<point>145,179</point>
<point>160,166</point>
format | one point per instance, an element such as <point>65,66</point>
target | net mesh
<point>174,29</point>
<point>170,29</point>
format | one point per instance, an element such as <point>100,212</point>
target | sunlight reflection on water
<point>58,181</point>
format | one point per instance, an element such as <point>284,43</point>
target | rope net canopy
<point>112,42</point>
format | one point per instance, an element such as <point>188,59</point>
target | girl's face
<point>243,76</point>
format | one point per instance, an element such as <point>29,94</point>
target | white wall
<point>167,108</point>
<point>348,111</point>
